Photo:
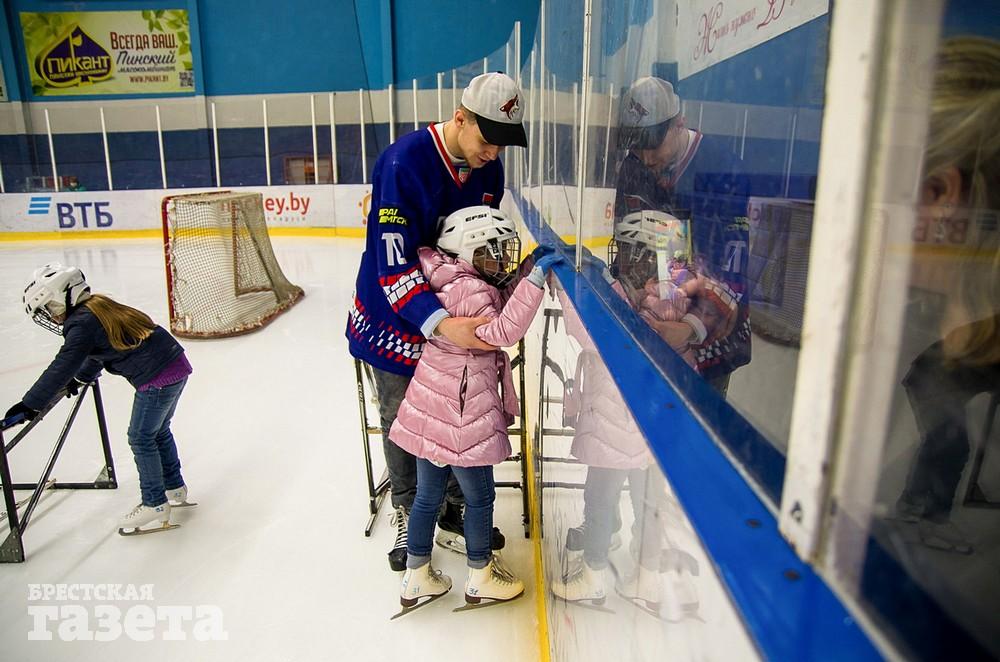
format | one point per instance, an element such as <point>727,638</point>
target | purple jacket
<point>453,413</point>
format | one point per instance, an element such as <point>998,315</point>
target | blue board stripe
<point>788,610</point>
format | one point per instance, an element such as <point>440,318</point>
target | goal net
<point>222,276</point>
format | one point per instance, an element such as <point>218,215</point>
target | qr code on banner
<point>186,78</point>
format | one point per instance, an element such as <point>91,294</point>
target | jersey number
<point>393,248</point>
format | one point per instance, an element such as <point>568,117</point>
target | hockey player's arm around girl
<point>100,333</point>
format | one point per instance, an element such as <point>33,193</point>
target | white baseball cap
<point>650,101</point>
<point>499,104</point>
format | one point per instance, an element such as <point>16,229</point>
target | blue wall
<point>309,45</point>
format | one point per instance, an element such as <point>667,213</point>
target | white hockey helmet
<point>486,233</point>
<point>637,238</point>
<point>54,290</point>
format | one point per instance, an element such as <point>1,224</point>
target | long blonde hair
<point>964,133</point>
<point>126,327</point>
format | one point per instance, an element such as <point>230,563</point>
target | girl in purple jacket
<point>454,418</point>
<point>100,333</point>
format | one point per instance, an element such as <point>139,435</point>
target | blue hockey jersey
<point>414,186</point>
<point>709,187</point>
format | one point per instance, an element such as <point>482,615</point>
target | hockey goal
<point>222,276</point>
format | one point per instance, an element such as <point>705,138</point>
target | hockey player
<point>671,168</point>
<point>453,419</point>
<point>98,333</point>
<point>420,179</point>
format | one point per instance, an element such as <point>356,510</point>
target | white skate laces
<point>134,521</point>
<point>401,521</point>
<point>501,572</point>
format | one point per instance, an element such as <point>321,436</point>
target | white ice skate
<point>584,587</point>
<point>642,588</point>
<point>420,587</point>
<point>491,585</point>
<point>682,596</point>
<point>178,498</point>
<point>141,516</point>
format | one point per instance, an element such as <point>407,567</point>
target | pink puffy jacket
<point>453,413</point>
<point>606,434</point>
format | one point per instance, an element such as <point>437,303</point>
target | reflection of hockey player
<point>608,441</point>
<point>671,168</point>
<point>650,255</point>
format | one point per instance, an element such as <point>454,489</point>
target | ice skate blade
<point>651,608</point>
<point>406,610</point>
<point>449,540</point>
<point>593,605</point>
<point>485,602</point>
<point>17,505</point>
<point>165,526</point>
<point>184,504</point>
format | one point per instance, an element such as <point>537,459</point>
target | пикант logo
<point>73,59</point>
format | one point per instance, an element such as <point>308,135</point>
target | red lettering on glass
<point>706,30</point>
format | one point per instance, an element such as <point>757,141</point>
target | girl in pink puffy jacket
<point>454,418</point>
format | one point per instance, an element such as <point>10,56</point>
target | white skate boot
<point>133,522</point>
<point>585,587</point>
<point>178,498</point>
<point>491,585</point>
<point>420,587</point>
<point>575,537</point>
<point>682,596</point>
<point>642,588</point>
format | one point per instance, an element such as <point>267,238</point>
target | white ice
<point>269,437</point>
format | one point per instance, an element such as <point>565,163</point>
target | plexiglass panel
<point>627,577</point>
<point>918,519</point>
<point>697,164</point>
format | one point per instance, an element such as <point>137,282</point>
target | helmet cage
<point>484,237</point>
<point>54,287</point>
<point>497,261</point>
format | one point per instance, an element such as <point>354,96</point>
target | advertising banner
<point>710,31</point>
<point>108,53</point>
<point>284,207</point>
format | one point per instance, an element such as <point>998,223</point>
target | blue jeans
<point>480,493</point>
<point>153,444</point>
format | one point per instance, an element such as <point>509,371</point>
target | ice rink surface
<point>274,558</point>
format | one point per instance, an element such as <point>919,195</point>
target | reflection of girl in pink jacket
<point>453,418</point>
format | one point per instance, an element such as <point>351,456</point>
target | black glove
<point>21,408</point>
<point>73,387</point>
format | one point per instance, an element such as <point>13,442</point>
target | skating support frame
<point>377,491</point>
<point>12,549</point>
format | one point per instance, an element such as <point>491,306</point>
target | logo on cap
<point>510,107</point>
<point>637,108</point>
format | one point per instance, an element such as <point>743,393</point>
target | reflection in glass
<point>949,363</point>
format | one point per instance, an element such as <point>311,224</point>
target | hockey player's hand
<point>462,331</point>
<point>21,408</point>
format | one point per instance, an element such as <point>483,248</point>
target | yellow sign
<point>108,53</point>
